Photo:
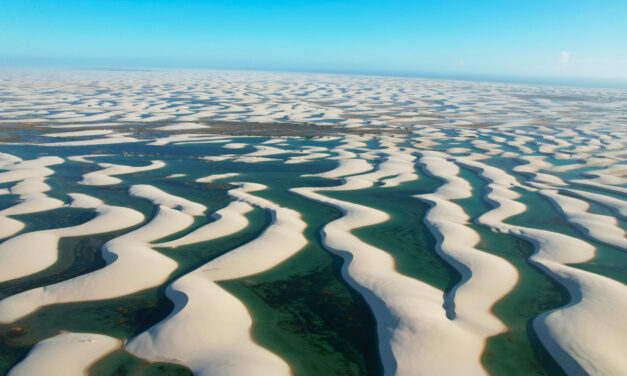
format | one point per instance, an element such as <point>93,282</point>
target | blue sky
<point>581,39</point>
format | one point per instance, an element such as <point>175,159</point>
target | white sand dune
<point>9,227</point>
<point>306,158</point>
<point>66,354</point>
<point>93,118</point>
<point>346,167</point>
<point>109,170</point>
<point>587,335</point>
<point>132,265</point>
<point>209,333</point>
<point>30,187</point>
<point>89,125</point>
<point>175,176</point>
<point>280,240</point>
<point>398,167</point>
<point>99,132</point>
<point>532,167</point>
<point>273,141</point>
<point>31,192</point>
<point>249,159</point>
<point>81,200</point>
<point>613,173</point>
<point>35,251</point>
<point>219,158</point>
<point>159,197</point>
<point>409,312</point>
<point>114,139</point>
<point>186,138</point>
<point>212,178</point>
<point>228,221</point>
<point>595,184</point>
<point>84,158</point>
<point>235,145</point>
<point>618,206</point>
<point>598,227</point>
<point>35,168</point>
<point>209,330</point>
<point>485,277</point>
<point>8,160</point>
<point>264,151</point>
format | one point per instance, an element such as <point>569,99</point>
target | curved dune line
<point>407,311</point>
<point>306,158</point>
<point>593,183</point>
<point>66,354</point>
<point>30,176</point>
<point>345,167</point>
<point>597,227</point>
<point>485,277</point>
<point>264,151</point>
<point>619,207</point>
<point>354,142</point>
<point>209,330</point>
<point>132,265</point>
<point>342,154</point>
<point>84,158</point>
<point>235,145</point>
<point>9,227</point>
<point>8,160</point>
<point>398,166</point>
<point>587,335</point>
<point>35,251</point>
<point>185,139</point>
<point>32,196</point>
<point>416,336</point>
<point>105,176</point>
<point>535,163</point>
<point>86,133</point>
<point>34,168</point>
<point>159,197</point>
<point>228,221</point>
<point>33,200</point>
<point>211,178</point>
<point>612,173</point>
<point>247,159</point>
<point>114,139</point>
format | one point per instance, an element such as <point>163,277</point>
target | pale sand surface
<point>598,227</point>
<point>209,330</point>
<point>212,178</point>
<point>516,144</point>
<point>131,266</point>
<point>105,176</point>
<point>575,335</point>
<point>68,354</point>
<point>31,188</point>
<point>618,206</point>
<point>159,197</point>
<point>95,132</point>
<point>395,298</point>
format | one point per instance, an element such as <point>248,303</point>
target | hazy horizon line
<point>521,79</point>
